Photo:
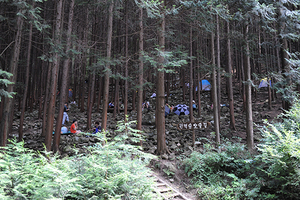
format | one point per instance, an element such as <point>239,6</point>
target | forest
<point>96,52</point>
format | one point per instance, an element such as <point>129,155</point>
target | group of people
<point>146,105</point>
<point>74,128</point>
<point>171,107</point>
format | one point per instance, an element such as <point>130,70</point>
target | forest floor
<point>169,167</point>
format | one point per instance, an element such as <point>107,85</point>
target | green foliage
<point>280,155</point>
<point>221,173</point>
<point>4,82</point>
<point>113,171</point>
<point>176,58</point>
<point>231,173</point>
<point>29,175</point>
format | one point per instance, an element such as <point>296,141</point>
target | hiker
<point>64,130</point>
<point>195,106</point>
<point>172,107</point>
<point>111,105</point>
<point>97,127</point>
<point>147,105</point>
<point>74,127</point>
<point>65,116</point>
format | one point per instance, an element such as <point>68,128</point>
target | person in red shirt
<point>74,127</point>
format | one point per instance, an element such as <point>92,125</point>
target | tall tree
<point>229,70</point>
<point>9,102</point>
<point>126,61</point>
<point>191,82</point>
<point>54,77</point>
<point>107,67</point>
<point>249,119</point>
<point>65,77</point>
<point>26,83</point>
<point>140,73</point>
<point>160,90</point>
<point>214,90</point>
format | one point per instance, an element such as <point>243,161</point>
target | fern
<point>116,170</point>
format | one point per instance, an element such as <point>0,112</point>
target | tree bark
<point>26,84</point>
<point>64,85</point>
<point>125,99</point>
<point>214,91</point>
<point>191,83</point>
<point>9,102</point>
<point>160,96</point>
<point>249,120</point>
<point>218,68</point>
<point>230,88</point>
<point>54,77</point>
<point>107,72</point>
<point>140,73</point>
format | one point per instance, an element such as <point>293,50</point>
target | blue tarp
<point>206,86</point>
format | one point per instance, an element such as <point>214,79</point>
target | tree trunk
<point>46,100</point>
<point>218,68</point>
<point>214,92</point>
<point>249,120</point>
<point>140,74</point>
<point>160,90</point>
<point>26,84</point>
<point>9,102</point>
<point>107,73</point>
<point>191,83</point>
<point>90,108</point>
<point>125,99</point>
<point>230,88</point>
<point>54,77</point>
<point>64,85</point>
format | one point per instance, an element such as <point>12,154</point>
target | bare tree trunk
<point>249,120</point>
<point>214,91</point>
<point>54,77</point>
<point>90,108</point>
<point>191,83</point>
<point>107,73</point>
<point>230,88</point>
<point>46,99</point>
<point>26,84</point>
<point>183,84</point>
<point>64,85</point>
<point>125,99</point>
<point>218,69</point>
<point>100,92</point>
<point>199,82</point>
<point>9,102</point>
<point>140,73</point>
<point>160,96</point>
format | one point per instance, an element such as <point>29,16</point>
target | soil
<point>178,179</point>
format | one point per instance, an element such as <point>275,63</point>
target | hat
<point>193,101</point>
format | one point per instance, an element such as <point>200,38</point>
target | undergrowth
<point>230,172</point>
<point>116,170</point>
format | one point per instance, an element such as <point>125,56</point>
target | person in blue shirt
<point>195,106</point>
<point>97,128</point>
<point>110,105</point>
<point>65,116</point>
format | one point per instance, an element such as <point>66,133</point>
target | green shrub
<point>116,170</point>
<point>231,173</point>
<point>280,155</point>
<point>221,173</point>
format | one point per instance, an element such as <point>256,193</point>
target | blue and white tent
<point>181,109</point>
<point>264,83</point>
<point>206,86</point>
